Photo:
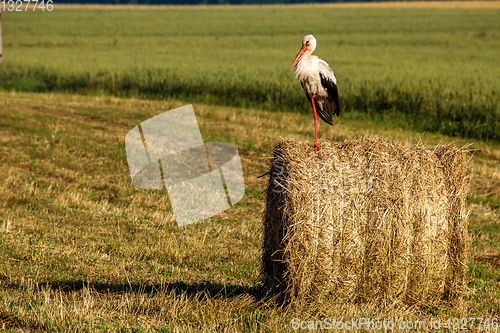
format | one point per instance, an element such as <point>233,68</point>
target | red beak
<point>301,52</point>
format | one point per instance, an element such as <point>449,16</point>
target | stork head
<point>308,45</point>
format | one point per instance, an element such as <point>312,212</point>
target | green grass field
<point>435,69</point>
<point>82,249</point>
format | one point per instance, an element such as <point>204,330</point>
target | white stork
<point>319,83</point>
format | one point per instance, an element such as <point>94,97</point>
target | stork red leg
<point>316,147</point>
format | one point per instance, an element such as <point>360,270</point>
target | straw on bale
<point>367,220</point>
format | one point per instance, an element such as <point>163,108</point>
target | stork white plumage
<point>319,83</point>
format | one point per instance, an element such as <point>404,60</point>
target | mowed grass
<point>82,249</point>
<point>428,69</point>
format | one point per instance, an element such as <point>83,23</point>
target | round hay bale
<point>366,220</point>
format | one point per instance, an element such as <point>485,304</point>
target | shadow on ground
<point>198,290</point>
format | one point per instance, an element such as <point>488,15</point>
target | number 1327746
<point>24,5</point>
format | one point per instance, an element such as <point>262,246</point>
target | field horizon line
<point>471,4</point>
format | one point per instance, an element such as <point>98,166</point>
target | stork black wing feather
<point>321,109</point>
<point>331,88</point>
<point>323,112</point>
